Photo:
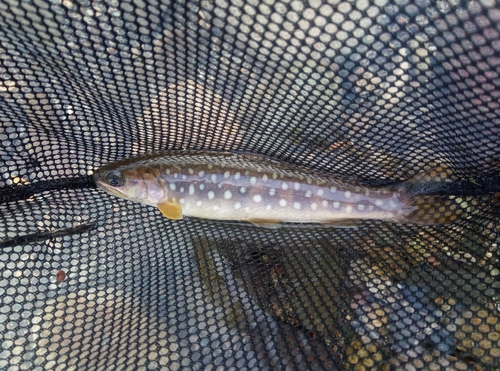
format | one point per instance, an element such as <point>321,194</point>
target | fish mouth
<point>100,182</point>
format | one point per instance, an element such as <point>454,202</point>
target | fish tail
<point>435,209</point>
<point>422,206</point>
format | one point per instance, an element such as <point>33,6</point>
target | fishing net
<point>374,92</point>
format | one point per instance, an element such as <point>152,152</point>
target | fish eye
<point>115,179</point>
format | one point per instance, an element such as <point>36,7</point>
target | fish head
<point>136,184</point>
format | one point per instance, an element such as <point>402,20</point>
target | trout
<point>264,191</point>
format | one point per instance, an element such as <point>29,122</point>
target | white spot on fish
<point>181,190</point>
<point>320,192</point>
<point>370,207</point>
<point>243,190</point>
<point>199,203</point>
<point>182,201</point>
<point>275,175</point>
<point>215,207</point>
<point>237,175</point>
<point>379,202</point>
<point>367,193</point>
<point>214,178</point>
<point>190,171</point>
<point>347,194</point>
<point>211,195</point>
<point>333,189</point>
<point>257,198</point>
<point>219,185</point>
<point>296,205</point>
<point>282,202</point>
<point>210,166</point>
<point>201,173</point>
<point>284,185</point>
<point>269,207</point>
<point>237,205</point>
<point>227,174</point>
<point>172,186</point>
<point>336,205</point>
<point>168,171</point>
<point>228,195</point>
<point>202,187</point>
<point>314,206</point>
<point>309,181</point>
<point>253,180</point>
<point>348,209</point>
<point>264,178</point>
<point>176,175</point>
<point>184,177</point>
<point>361,207</point>
<point>191,189</point>
<point>272,191</point>
<point>308,194</point>
<point>247,172</point>
<point>296,186</point>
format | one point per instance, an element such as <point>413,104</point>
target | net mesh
<point>373,91</point>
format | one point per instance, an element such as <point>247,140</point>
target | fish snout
<point>100,180</point>
<point>97,176</point>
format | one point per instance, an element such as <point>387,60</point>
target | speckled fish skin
<point>245,187</point>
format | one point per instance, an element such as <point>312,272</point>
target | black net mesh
<point>372,91</point>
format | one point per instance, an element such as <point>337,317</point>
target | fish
<point>233,186</point>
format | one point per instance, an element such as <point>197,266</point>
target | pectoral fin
<point>171,210</point>
<point>266,223</point>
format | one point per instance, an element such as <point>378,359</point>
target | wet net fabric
<point>375,92</point>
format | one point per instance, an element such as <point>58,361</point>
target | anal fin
<point>171,210</point>
<point>343,223</point>
<point>266,223</point>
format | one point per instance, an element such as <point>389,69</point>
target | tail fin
<point>424,204</point>
<point>436,209</point>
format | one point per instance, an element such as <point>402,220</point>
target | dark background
<point>372,91</point>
